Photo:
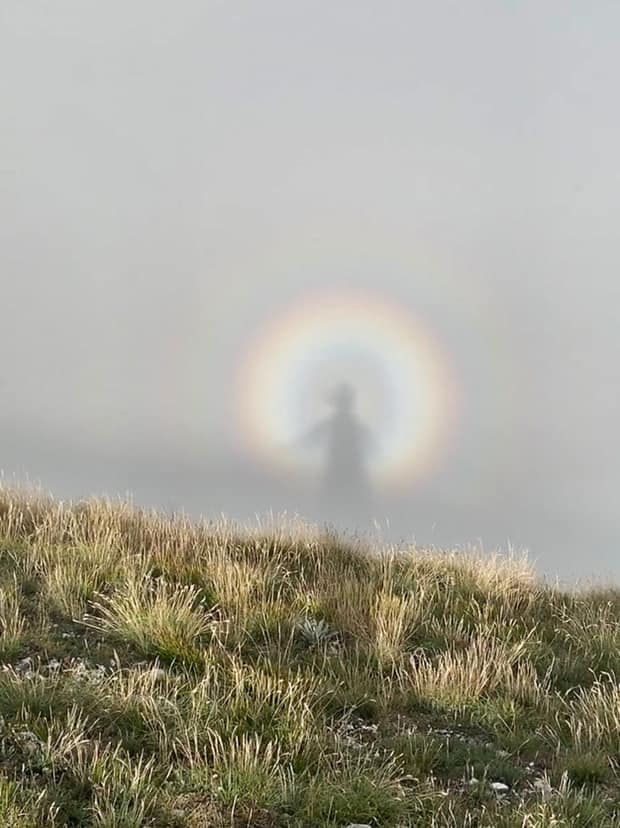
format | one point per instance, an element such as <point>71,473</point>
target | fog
<point>179,178</point>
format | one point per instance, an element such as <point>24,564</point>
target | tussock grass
<point>23,809</point>
<point>160,672</point>
<point>72,575</point>
<point>159,618</point>
<point>12,622</point>
<point>592,717</point>
<point>486,667</point>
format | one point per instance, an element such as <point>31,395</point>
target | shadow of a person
<point>344,496</point>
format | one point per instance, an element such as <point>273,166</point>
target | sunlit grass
<point>158,617</point>
<point>165,673</point>
<point>12,621</point>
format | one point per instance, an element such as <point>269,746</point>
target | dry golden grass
<point>12,622</point>
<point>161,672</point>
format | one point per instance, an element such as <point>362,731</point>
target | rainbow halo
<point>404,390</point>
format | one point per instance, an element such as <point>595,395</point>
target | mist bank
<point>564,543</point>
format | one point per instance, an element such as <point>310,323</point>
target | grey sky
<point>175,173</point>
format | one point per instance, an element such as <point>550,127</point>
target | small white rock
<point>499,787</point>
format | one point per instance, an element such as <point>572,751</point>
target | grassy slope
<point>161,673</point>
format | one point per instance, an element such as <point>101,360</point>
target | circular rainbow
<point>405,391</point>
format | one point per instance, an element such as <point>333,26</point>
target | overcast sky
<point>173,175</point>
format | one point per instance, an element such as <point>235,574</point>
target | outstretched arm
<point>309,439</point>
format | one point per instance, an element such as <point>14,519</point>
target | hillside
<point>156,672</point>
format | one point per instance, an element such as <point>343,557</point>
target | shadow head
<point>342,397</point>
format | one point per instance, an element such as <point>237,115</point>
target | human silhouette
<point>344,496</point>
